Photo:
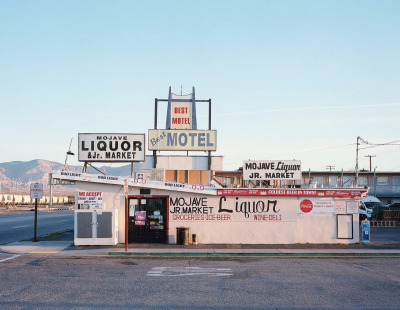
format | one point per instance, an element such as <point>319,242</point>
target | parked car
<point>364,212</point>
<point>373,206</point>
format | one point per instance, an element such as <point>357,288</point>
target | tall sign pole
<point>126,192</point>
<point>36,193</point>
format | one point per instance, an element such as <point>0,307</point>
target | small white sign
<point>90,200</point>
<point>36,191</point>
<point>352,207</point>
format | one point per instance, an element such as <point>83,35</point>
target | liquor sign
<point>36,191</point>
<point>272,170</point>
<point>232,209</point>
<point>114,147</point>
<point>182,140</point>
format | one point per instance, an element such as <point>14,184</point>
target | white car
<point>365,213</point>
<point>370,205</point>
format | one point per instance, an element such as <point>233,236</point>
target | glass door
<point>147,220</point>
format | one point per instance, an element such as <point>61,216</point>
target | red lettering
<point>180,120</point>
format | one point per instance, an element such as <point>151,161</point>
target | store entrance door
<point>147,220</point>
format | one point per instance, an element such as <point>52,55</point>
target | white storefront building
<point>146,211</point>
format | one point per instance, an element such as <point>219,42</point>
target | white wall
<point>294,228</point>
<point>189,162</point>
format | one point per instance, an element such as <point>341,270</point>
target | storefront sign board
<point>272,170</point>
<point>182,140</point>
<point>233,209</point>
<point>90,200</point>
<point>115,147</point>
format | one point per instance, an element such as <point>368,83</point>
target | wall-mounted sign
<point>292,192</point>
<point>90,200</point>
<point>317,206</point>
<point>272,170</point>
<point>114,147</point>
<point>233,209</point>
<point>182,140</point>
<point>352,207</point>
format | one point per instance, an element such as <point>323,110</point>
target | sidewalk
<point>386,243</point>
<point>66,248</point>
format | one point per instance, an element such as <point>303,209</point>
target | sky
<point>288,79</point>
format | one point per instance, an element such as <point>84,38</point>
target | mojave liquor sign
<point>272,170</point>
<point>115,147</point>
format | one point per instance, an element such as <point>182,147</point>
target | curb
<point>311,255</point>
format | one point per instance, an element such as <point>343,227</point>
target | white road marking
<point>188,271</point>
<point>8,258</point>
<point>19,226</point>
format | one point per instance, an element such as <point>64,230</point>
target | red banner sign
<point>293,192</point>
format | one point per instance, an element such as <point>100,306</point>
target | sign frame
<point>36,190</point>
<point>159,139</point>
<point>262,170</point>
<point>111,147</point>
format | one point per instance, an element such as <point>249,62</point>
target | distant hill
<point>17,175</point>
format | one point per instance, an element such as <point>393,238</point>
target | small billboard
<point>182,140</point>
<point>111,147</point>
<point>272,170</point>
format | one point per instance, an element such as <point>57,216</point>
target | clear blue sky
<point>288,79</point>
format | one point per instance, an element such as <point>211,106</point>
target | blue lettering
<point>201,139</point>
<point>184,142</point>
<point>171,139</point>
<point>208,140</point>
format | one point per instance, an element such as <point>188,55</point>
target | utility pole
<point>358,143</point>
<point>370,161</point>
<point>330,168</point>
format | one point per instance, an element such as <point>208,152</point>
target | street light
<point>66,157</point>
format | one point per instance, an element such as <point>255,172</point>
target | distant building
<point>384,185</point>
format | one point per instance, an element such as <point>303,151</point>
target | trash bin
<point>182,235</point>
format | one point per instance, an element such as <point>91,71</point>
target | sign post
<point>36,193</point>
<point>126,191</point>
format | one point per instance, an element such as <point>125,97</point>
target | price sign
<point>36,191</point>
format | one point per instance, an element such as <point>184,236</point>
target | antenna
<point>66,157</point>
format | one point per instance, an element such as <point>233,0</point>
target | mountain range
<point>17,175</point>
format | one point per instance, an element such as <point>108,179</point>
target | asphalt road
<point>128,283</point>
<point>20,226</point>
